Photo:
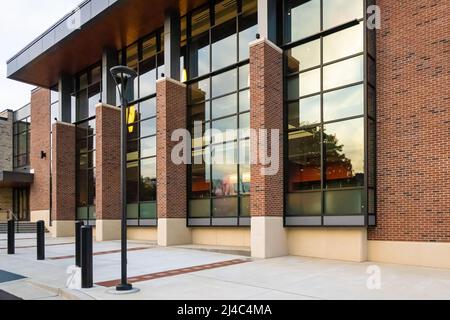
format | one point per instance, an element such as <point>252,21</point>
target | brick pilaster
<point>172,188</point>
<point>266,96</point>
<point>171,115</point>
<point>63,172</point>
<point>108,201</point>
<point>268,236</point>
<point>40,150</point>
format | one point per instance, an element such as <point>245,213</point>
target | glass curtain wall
<point>87,96</point>
<point>21,160</point>
<point>330,108</point>
<point>147,57</point>
<point>21,138</point>
<point>54,117</point>
<point>218,37</point>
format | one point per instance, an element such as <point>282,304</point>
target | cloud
<point>21,22</point>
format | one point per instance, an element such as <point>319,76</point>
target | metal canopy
<point>64,49</point>
<point>10,179</point>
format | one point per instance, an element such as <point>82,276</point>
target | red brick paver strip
<point>47,245</point>
<point>18,239</point>
<point>176,272</point>
<point>102,253</point>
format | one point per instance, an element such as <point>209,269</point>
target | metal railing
<point>14,217</point>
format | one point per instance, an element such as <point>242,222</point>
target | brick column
<point>40,155</point>
<point>266,199</point>
<point>63,179</point>
<point>172,188</point>
<point>108,201</point>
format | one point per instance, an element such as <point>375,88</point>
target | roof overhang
<point>63,49</point>
<point>10,179</point>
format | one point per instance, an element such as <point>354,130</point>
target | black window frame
<point>136,102</point>
<point>211,221</point>
<point>80,125</point>
<point>17,133</point>
<point>369,121</point>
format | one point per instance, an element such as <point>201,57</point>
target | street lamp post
<point>123,76</point>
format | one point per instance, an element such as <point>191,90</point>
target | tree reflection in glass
<point>344,155</point>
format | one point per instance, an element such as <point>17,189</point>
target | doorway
<point>21,203</point>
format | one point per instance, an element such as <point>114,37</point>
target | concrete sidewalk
<point>168,273</point>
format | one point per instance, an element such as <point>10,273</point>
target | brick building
<point>15,176</point>
<point>358,111</point>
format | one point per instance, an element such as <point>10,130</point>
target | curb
<point>64,293</point>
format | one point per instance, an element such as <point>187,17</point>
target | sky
<point>22,21</point>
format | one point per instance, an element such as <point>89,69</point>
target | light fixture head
<point>123,74</point>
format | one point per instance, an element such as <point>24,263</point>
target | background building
<point>15,177</point>
<point>362,173</point>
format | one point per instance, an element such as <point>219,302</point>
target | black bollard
<point>40,235</point>
<point>87,274</point>
<point>78,226</point>
<point>11,237</point>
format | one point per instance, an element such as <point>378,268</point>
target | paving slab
<point>25,290</point>
<point>296,278</point>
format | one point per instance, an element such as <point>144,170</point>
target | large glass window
<point>55,116</point>
<point>21,138</point>
<point>307,18</point>
<point>220,34</point>
<point>327,113</point>
<point>85,144</point>
<point>87,96</point>
<point>147,57</point>
<point>141,164</point>
<point>219,118</point>
<point>87,93</point>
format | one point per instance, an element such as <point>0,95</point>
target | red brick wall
<point>63,172</point>
<point>171,115</point>
<point>40,141</point>
<point>108,198</point>
<point>266,98</point>
<point>413,136</point>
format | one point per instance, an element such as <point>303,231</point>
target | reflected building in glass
<point>327,83</point>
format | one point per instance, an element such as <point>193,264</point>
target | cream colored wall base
<point>348,244</point>
<point>43,215</point>
<point>143,234</point>
<point>3,217</point>
<point>268,237</point>
<point>107,230</point>
<point>173,232</point>
<point>425,254</point>
<point>62,229</point>
<point>233,237</point>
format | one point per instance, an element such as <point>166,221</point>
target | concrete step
<point>21,227</point>
<point>233,250</point>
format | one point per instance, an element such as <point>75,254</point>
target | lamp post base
<point>124,287</point>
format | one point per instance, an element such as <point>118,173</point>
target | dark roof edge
<point>81,5</point>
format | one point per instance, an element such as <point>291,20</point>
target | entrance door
<point>21,204</point>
